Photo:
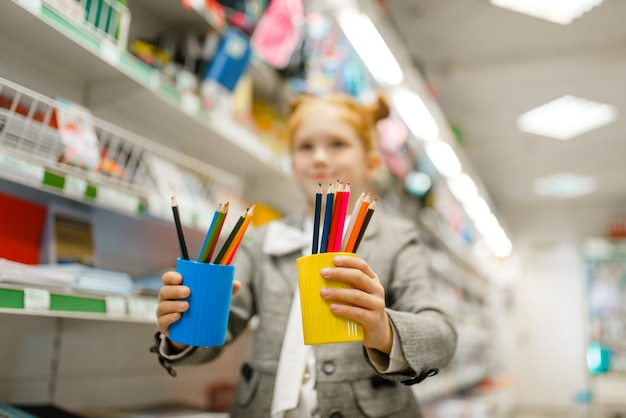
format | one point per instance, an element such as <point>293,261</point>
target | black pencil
<point>230,238</point>
<point>179,230</point>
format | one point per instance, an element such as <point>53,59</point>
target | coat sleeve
<point>426,334</point>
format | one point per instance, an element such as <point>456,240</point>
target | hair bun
<point>379,109</point>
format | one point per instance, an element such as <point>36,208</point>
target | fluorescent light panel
<point>566,117</point>
<point>371,47</point>
<point>415,114</point>
<point>443,158</point>
<point>565,185</point>
<point>557,11</point>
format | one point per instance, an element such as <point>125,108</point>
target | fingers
<point>171,278</point>
<point>236,286</point>
<point>354,272</point>
<point>353,297</point>
<point>168,313</point>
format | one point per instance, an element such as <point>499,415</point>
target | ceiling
<point>488,65</point>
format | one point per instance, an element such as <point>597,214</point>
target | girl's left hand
<point>365,303</point>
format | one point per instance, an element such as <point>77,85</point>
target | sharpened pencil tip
<point>174,202</point>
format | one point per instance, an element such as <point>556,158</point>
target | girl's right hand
<point>170,304</point>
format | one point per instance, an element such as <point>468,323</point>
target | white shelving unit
<point>84,359</point>
<point>56,57</point>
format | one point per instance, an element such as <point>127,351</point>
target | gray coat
<point>347,383</point>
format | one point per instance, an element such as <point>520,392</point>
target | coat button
<point>329,367</point>
<point>335,414</point>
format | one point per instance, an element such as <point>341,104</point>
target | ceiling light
<point>564,185</point>
<point>463,188</point>
<point>415,114</point>
<point>557,11</point>
<point>566,117</point>
<point>371,47</point>
<point>443,158</point>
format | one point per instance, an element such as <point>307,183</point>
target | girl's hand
<point>365,303</point>
<point>170,306</point>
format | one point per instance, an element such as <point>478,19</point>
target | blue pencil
<point>316,219</point>
<point>328,216</point>
<point>206,246</point>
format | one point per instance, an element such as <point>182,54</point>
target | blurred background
<point>503,145</point>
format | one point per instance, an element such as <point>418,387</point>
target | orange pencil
<point>230,253</point>
<point>353,216</point>
<point>358,223</point>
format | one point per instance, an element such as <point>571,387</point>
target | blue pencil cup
<point>205,323</point>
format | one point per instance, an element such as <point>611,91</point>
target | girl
<point>407,335</point>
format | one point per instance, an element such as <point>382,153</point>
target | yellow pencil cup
<point>319,323</point>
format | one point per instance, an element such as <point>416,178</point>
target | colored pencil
<point>213,233</point>
<point>332,233</point>
<point>343,209</point>
<point>328,215</point>
<point>366,221</point>
<point>228,258</point>
<point>358,224</point>
<point>179,230</point>
<point>316,219</point>
<point>220,256</point>
<point>350,227</point>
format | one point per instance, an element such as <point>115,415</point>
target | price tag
<point>32,172</point>
<point>115,305</point>
<point>36,299</point>
<point>155,80</point>
<point>75,187</point>
<point>33,6</point>
<point>109,52</point>
<point>138,308</point>
<point>9,165</point>
<point>190,103</point>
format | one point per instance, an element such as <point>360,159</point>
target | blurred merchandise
<point>75,124</point>
<point>271,126</point>
<point>21,228</point>
<point>231,59</point>
<point>279,32</point>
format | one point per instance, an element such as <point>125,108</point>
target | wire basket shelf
<point>55,144</point>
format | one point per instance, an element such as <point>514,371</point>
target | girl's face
<point>326,148</point>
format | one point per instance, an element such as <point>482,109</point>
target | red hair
<point>362,117</point>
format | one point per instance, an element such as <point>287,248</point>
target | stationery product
<point>328,214</point>
<point>204,324</point>
<point>319,323</point>
<point>366,221</point>
<point>179,230</point>
<point>228,250</point>
<point>332,237</point>
<point>230,60</point>
<point>230,253</point>
<point>213,233</point>
<point>332,234</point>
<point>353,217</point>
<point>316,219</point>
<point>359,218</point>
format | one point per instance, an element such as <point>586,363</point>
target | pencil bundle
<point>228,250</point>
<point>332,238</point>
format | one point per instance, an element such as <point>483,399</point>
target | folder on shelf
<point>21,227</point>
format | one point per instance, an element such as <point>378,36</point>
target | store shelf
<point>130,94</point>
<point>15,299</point>
<point>33,149</point>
